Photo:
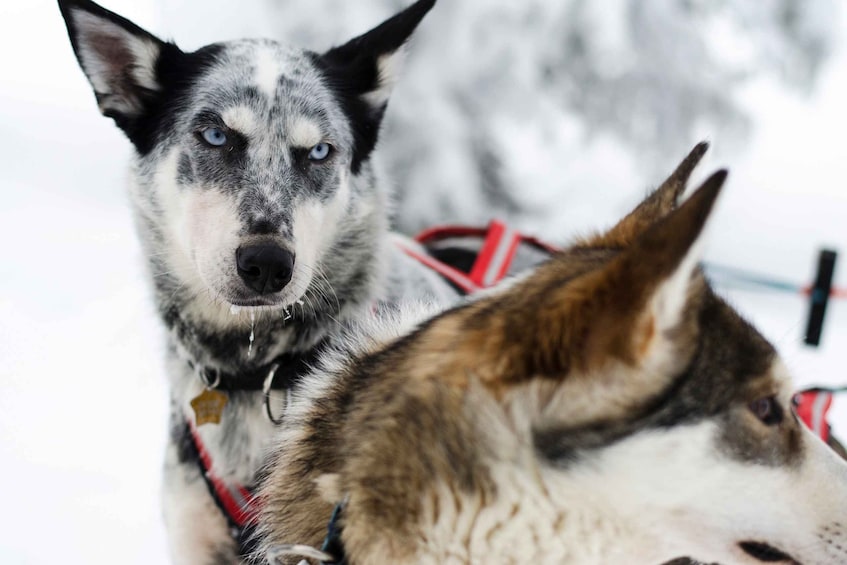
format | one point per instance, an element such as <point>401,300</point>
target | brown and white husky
<point>608,408</point>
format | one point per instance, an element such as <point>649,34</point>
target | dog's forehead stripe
<point>267,70</point>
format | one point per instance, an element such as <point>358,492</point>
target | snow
<point>83,405</point>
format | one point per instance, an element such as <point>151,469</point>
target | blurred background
<point>556,115</point>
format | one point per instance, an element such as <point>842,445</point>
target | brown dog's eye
<point>767,410</point>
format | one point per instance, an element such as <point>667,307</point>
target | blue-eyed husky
<point>607,409</point>
<point>264,226</point>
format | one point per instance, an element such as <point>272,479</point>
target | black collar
<point>288,368</point>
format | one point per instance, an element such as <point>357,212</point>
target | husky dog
<point>607,408</point>
<point>263,223</point>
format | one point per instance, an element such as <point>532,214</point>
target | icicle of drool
<point>252,332</point>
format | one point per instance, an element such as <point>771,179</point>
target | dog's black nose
<point>265,268</point>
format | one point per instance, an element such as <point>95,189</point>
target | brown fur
<point>569,345</point>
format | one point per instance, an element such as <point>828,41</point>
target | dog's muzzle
<point>266,268</point>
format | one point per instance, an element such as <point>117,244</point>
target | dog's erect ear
<point>593,332</point>
<point>642,300</point>
<point>656,206</point>
<point>638,310</point>
<point>118,57</point>
<point>362,73</point>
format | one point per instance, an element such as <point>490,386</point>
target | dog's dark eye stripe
<point>301,155</point>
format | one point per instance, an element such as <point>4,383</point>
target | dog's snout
<point>266,268</point>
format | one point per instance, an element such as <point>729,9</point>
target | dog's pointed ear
<point>656,206</point>
<point>362,73</point>
<point>643,310</point>
<point>637,308</point>
<point>118,58</point>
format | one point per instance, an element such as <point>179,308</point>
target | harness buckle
<point>266,392</point>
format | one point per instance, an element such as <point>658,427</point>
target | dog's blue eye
<point>214,136</point>
<point>320,151</point>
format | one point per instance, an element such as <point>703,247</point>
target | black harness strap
<point>332,542</point>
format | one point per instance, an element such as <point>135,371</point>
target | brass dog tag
<point>208,407</point>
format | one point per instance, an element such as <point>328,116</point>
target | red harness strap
<point>496,254</point>
<point>812,407</point>
<point>445,232</point>
<point>238,503</point>
<point>500,243</point>
<point>455,276</point>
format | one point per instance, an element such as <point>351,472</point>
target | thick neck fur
<point>505,506</point>
<point>534,519</point>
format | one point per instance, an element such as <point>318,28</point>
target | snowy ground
<point>83,401</point>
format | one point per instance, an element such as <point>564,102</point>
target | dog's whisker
<point>325,279</point>
<point>161,274</point>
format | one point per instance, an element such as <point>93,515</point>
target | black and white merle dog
<point>263,223</point>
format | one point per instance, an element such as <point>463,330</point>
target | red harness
<point>812,406</point>
<point>238,503</point>
<point>499,246</point>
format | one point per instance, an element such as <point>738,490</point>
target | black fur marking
<point>186,451</point>
<point>262,227</point>
<point>364,119</point>
<point>217,161</point>
<point>176,72</point>
<point>716,385</point>
<point>764,552</point>
<point>185,170</point>
<point>351,71</point>
<point>228,348</point>
<point>564,446</point>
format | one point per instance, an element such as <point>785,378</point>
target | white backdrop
<point>82,395</point>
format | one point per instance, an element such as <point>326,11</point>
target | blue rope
<point>731,274</point>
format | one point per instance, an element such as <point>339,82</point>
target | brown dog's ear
<point>618,320</point>
<point>643,310</point>
<point>656,206</point>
